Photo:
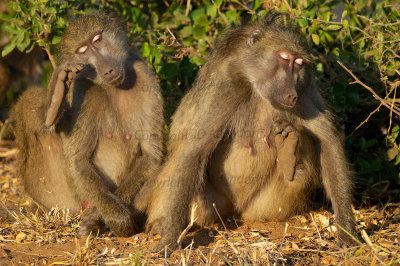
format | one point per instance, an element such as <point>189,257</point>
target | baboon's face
<point>277,75</point>
<point>97,52</point>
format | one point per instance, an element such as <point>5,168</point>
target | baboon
<point>96,135</point>
<point>253,136</point>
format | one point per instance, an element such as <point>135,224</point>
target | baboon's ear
<point>55,103</point>
<point>254,37</point>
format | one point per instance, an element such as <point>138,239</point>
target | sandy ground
<point>34,239</point>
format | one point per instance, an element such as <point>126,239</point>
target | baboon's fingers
<point>287,130</point>
<point>287,154</point>
<point>70,76</point>
<point>62,75</point>
<point>77,68</point>
<point>91,227</point>
<point>120,220</point>
<point>279,141</point>
<point>277,127</point>
<point>154,227</point>
<point>56,100</point>
<point>163,244</point>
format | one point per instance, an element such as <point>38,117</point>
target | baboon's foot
<point>286,140</point>
<point>63,78</point>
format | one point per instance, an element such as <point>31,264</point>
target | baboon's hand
<point>120,220</point>
<point>92,223</point>
<point>168,242</point>
<point>169,234</point>
<point>62,76</point>
<point>154,227</point>
<point>286,140</point>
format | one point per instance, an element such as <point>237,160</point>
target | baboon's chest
<point>117,148</point>
<point>241,159</point>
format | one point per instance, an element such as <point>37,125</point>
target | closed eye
<point>299,61</point>
<point>284,56</point>
<point>82,49</point>
<point>96,38</point>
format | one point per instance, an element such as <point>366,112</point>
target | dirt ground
<point>34,239</point>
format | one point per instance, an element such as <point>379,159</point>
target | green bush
<point>176,38</point>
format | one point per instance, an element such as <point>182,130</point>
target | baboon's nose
<point>291,99</point>
<point>109,73</point>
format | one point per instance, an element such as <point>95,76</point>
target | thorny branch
<point>172,41</point>
<point>390,105</point>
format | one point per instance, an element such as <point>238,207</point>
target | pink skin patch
<point>128,136</point>
<point>109,135</point>
<point>250,149</point>
<point>266,141</point>
<point>86,205</point>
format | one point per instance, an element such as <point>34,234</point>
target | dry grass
<point>34,239</point>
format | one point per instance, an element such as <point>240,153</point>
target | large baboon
<point>95,136</point>
<point>253,135</point>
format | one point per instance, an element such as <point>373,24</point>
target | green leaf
<point>231,15</point>
<point>21,46</point>
<point>344,14</point>
<point>14,6</point>
<point>346,24</point>
<point>7,49</point>
<point>315,38</point>
<point>319,67</point>
<point>186,31</point>
<point>145,49</point>
<point>11,29</point>
<point>336,52</point>
<point>333,27</point>
<point>5,17</point>
<point>33,10</point>
<point>51,10</point>
<point>328,37</point>
<point>380,36</point>
<point>56,39</point>
<point>35,29</point>
<point>20,38</point>
<point>397,159</point>
<point>257,4</point>
<point>302,22</point>
<point>395,132</point>
<point>201,20</point>
<point>196,13</point>
<point>199,32</point>
<point>212,11</point>
<point>218,2</point>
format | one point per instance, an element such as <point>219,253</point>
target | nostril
<point>292,98</point>
<point>109,72</point>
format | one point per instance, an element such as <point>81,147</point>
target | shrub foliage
<point>356,46</point>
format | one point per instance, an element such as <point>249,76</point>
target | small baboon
<point>253,136</point>
<point>96,135</point>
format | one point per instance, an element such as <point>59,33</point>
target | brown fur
<point>222,144</point>
<point>90,140</point>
